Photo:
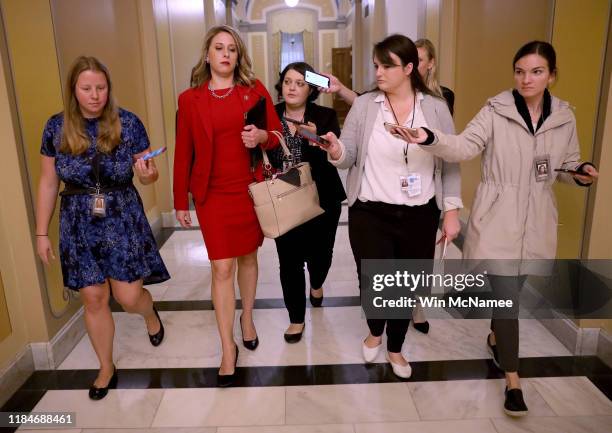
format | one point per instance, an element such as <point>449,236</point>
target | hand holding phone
<point>572,172</point>
<point>295,122</point>
<point>318,140</point>
<point>392,127</point>
<point>317,79</point>
<point>154,153</point>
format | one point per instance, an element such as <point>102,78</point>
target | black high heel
<point>294,338</point>
<point>96,393</point>
<point>249,344</point>
<point>225,380</point>
<point>315,302</point>
<point>156,339</point>
<point>422,327</point>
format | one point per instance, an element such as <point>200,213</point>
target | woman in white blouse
<point>396,191</point>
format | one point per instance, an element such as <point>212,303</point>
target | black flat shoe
<point>514,404</point>
<point>422,327</point>
<point>96,393</point>
<point>225,380</point>
<point>156,339</point>
<point>493,351</point>
<point>249,344</point>
<point>294,338</point>
<point>315,302</point>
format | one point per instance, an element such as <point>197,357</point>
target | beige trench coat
<point>514,217</point>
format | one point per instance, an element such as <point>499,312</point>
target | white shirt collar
<point>381,97</point>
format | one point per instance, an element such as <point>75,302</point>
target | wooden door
<point>342,68</point>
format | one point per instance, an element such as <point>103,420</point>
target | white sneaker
<point>370,353</point>
<point>403,371</point>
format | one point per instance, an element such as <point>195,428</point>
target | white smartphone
<point>391,126</point>
<point>316,79</point>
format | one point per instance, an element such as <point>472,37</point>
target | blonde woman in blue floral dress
<point>106,243</point>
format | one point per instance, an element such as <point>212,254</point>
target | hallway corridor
<point>321,384</point>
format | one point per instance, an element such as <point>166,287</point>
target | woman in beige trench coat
<point>524,135</point>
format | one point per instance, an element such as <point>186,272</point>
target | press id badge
<point>541,166</point>
<point>411,184</point>
<point>98,205</point>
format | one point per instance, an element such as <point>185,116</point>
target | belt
<point>71,189</point>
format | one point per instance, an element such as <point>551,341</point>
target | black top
<point>521,106</point>
<point>450,98</point>
<point>324,174</point>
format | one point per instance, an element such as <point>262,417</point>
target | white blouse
<point>385,166</point>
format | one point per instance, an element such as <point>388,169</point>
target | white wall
<point>406,17</point>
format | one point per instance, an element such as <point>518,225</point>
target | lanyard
<point>397,122</point>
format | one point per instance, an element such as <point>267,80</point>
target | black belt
<point>71,189</point>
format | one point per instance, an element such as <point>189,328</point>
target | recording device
<point>295,122</point>
<point>313,137</point>
<point>154,153</point>
<point>566,170</point>
<point>391,126</point>
<point>317,79</point>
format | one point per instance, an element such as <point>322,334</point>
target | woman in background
<point>312,242</point>
<point>428,65</point>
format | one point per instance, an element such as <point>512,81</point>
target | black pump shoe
<point>249,344</point>
<point>96,393</point>
<point>294,338</point>
<point>225,380</point>
<point>156,339</point>
<point>422,327</point>
<point>315,302</point>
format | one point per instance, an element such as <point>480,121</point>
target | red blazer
<point>193,153</point>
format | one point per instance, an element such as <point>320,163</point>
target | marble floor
<point>321,384</point>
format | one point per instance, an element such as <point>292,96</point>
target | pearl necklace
<point>225,95</point>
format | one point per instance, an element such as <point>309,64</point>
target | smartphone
<point>391,126</point>
<point>154,153</point>
<point>317,79</point>
<point>313,137</point>
<point>566,170</point>
<point>296,122</point>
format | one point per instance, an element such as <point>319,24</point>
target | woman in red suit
<point>212,161</point>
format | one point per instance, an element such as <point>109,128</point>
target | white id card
<point>411,184</point>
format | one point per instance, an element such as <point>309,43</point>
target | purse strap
<point>266,161</point>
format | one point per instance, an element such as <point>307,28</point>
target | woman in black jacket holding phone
<point>313,242</point>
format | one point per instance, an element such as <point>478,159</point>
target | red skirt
<point>229,224</point>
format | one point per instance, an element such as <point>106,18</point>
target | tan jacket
<point>514,216</point>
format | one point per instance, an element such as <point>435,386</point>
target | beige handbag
<point>287,199</point>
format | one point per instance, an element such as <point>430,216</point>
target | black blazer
<point>450,98</point>
<point>324,174</point>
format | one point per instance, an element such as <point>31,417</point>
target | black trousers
<point>506,329</point>
<point>311,243</point>
<point>385,231</point>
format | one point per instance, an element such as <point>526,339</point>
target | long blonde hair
<point>74,138</point>
<point>243,73</point>
<point>431,79</point>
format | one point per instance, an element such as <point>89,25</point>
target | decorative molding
<point>16,373</point>
<point>246,27</point>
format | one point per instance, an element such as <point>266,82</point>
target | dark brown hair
<point>300,67</point>
<point>403,47</point>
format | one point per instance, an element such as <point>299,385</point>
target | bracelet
<point>42,235</point>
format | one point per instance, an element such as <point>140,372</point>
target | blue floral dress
<point>120,245</point>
